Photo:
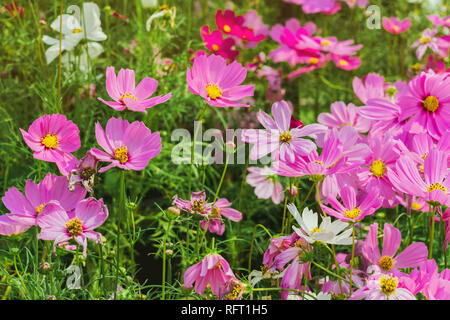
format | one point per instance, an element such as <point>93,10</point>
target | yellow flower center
<point>226,28</point>
<point>343,62</point>
<point>77,30</point>
<point>86,173</point>
<point>127,95</point>
<point>417,66</point>
<point>74,226</point>
<point>416,206</point>
<point>121,154</point>
<point>386,263</point>
<point>325,43</point>
<point>431,103</point>
<point>39,209</point>
<point>353,214</point>
<point>50,141</point>
<point>313,60</point>
<point>425,40</point>
<point>198,206</point>
<point>378,168</point>
<point>319,162</point>
<point>315,230</point>
<point>388,284</point>
<point>437,186</point>
<point>396,28</point>
<point>215,47</point>
<point>213,91</point>
<point>285,137</point>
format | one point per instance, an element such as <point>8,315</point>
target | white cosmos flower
<point>310,296</point>
<point>75,27</point>
<point>336,232</point>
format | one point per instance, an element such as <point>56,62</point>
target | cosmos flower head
<point>395,26</point>
<point>218,83</point>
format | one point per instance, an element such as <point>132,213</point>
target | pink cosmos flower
<point>428,40</point>
<point>389,261</point>
<point>292,278</point>
<point>346,63</point>
<point>351,210</point>
<point>438,21</point>
<point>25,210</point>
<point>317,6</point>
<point>278,138</point>
<point>81,171</point>
<point>254,22</point>
<point>213,270</point>
<point>60,225</point>
<point>218,83</point>
<point>126,95</point>
<point>51,137</point>
<point>215,43</point>
<point>427,104</point>
<point>128,146</point>
<point>435,64</point>
<point>434,185</point>
<point>383,287</point>
<point>197,205</point>
<point>373,87</point>
<point>214,219</point>
<point>395,26</point>
<point>344,115</point>
<point>277,246</point>
<point>233,25</point>
<point>360,3</point>
<point>266,184</point>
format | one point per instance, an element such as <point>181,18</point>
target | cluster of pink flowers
<point>300,45</point>
<point>57,204</point>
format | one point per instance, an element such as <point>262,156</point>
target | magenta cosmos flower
<point>389,261</point>
<point>395,26</point>
<point>218,83</point>
<point>61,226</point>
<point>352,210</point>
<point>51,136</point>
<point>25,210</point>
<point>213,270</point>
<point>277,246</point>
<point>233,25</point>
<point>266,184</point>
<point>126,95</point>
<point>214,42</point>
<point>433,187</point>
<point>220,208</point>
<point>427,104</point>
<point>278,138</point>
<point>344,115</point>
<point>128,146</point>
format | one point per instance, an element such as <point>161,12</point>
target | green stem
<point>284,213</point>
<point>253,243</point>
<point>164,261</point>
<point>353,256</point>
<point>430,251</point>
<point>120,214</point>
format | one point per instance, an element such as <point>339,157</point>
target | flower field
<point>225,150</point>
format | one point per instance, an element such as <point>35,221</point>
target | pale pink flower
<point>266,184</point>
<point>427,40</point>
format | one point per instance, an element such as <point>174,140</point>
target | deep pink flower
<point>233,25</point>
<point>60,225</point>
<point>266,184</point>
<point>218,83</point>
<point>389,261</point>
<point>352,210</point>
<point>254,22</point>
<point>395,26</point>
<point>278,138</point>
<point>433,187</point>
<point>51,137</point>
<point>316,6</point>
<point>213,270</point>
<point>427,104</point>
<point>128,146</point>
<point>346,63</point>
<point>215,43</point>
<point>127,95</point>
<point>25,210</point>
